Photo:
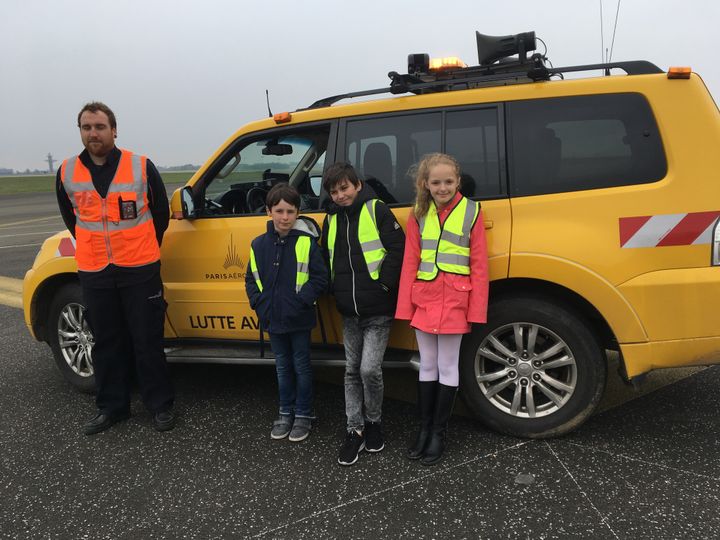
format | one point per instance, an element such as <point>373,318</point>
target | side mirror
<point>188,205</point>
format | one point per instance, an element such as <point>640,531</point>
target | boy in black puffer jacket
<point>286,275</point>
<point>364,246</point>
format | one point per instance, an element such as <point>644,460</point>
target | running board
<point>249,355</point>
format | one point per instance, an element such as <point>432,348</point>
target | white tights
<point>439,357</point>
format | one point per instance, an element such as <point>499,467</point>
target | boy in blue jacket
<point>287,274</point>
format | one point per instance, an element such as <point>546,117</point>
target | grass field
<point>46,183</point>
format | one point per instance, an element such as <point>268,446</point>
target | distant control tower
<point>50,161</point>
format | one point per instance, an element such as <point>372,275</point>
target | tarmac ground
<point>647,468</point>
<point>644,466</point>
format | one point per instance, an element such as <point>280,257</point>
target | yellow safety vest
<point>370,244</point>
<point>302,271</point>
<point>446,247</point>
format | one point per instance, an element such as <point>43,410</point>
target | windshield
<point>269,158</point>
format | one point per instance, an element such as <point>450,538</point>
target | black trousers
<point>127,323</point>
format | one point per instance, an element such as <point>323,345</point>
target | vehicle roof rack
<point>494,69</point>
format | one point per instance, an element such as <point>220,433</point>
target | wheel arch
<point>42,299</point>
<point>586,283</point>
<point>552,292</point>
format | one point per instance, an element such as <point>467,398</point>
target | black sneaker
<point>164,420</point>
<point>374,441</point>
<point>351,448</point>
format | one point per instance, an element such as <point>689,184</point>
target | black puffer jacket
<point>356,293</point>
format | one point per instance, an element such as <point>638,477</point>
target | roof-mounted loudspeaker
<point>492,48</point>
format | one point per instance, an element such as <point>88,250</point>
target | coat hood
<point>303,225</point>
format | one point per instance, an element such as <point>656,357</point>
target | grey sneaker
<point>281,426</point>
<point>300,429</point>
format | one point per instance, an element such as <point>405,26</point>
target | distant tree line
<point>34,172</point>
<point>8,172</point>
<point>186,167</point>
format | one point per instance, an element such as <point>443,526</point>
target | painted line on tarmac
<point>10,300</point>
<point>27,234</point>
<point>4,225</point>
<point>20,245</point>
<point>438,471</point>
<point>11,292</point>
<point>603,518</point>
<point>643,461</point>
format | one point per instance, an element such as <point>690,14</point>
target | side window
<point>386,150</point>
<point>238,182</point>
<point>471,136</point>
<point>583,142</point>
<point>383,150</point>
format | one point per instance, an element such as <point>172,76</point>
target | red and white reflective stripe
<point>66,248</point>
<point>667,229</point>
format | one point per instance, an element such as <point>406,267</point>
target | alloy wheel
<point>75,339</point>
<point>525,370</point>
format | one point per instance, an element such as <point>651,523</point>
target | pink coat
<point>450,302</point>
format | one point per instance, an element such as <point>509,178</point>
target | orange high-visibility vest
<point>103,238</point>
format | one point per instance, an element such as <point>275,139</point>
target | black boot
<point>443,409</point>
<point>426,407</point>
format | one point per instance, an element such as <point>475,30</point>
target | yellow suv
<point>601,198</point>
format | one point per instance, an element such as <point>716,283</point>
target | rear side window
<point>583,142</point>
<point>386,150</point>
<point>382,150</point>
<point>471,136</point>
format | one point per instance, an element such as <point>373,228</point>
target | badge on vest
<point>128,209</point>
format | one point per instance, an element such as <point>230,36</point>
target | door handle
<point>488,224</point>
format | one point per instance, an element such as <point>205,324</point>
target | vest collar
<point>445,212</point>
<point>113,158</point>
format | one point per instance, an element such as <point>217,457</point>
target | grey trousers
<point>365,340</point>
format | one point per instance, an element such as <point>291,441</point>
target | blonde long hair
<point>422,194</point>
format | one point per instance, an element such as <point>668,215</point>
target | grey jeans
<point>365,341</point>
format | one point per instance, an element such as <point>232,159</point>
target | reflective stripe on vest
<point>368,235</point>
<point>302,256</point>
<point>254,270</point>
<point>446,247</point>
<point>302,270</point>
<point>101,234</point>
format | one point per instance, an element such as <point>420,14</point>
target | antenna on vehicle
<point>267,99</point>
<point>602,37</point>
<point>607,56</point>
<point>612,43</point>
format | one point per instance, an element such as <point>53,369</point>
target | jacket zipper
<point>352,270</point>
<point>276,265</point>
<point>105,230</point>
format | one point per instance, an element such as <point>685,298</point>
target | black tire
<point>74,356</point>
<point>550,390</point>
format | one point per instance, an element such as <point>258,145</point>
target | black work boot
<point>426,407</point>
<point>443,409</point>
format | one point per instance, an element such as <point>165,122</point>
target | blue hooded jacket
<point>279,308</point>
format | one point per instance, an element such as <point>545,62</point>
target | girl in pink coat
<point>443,289</point>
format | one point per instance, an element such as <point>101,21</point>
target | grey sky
<point>183,75</point>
